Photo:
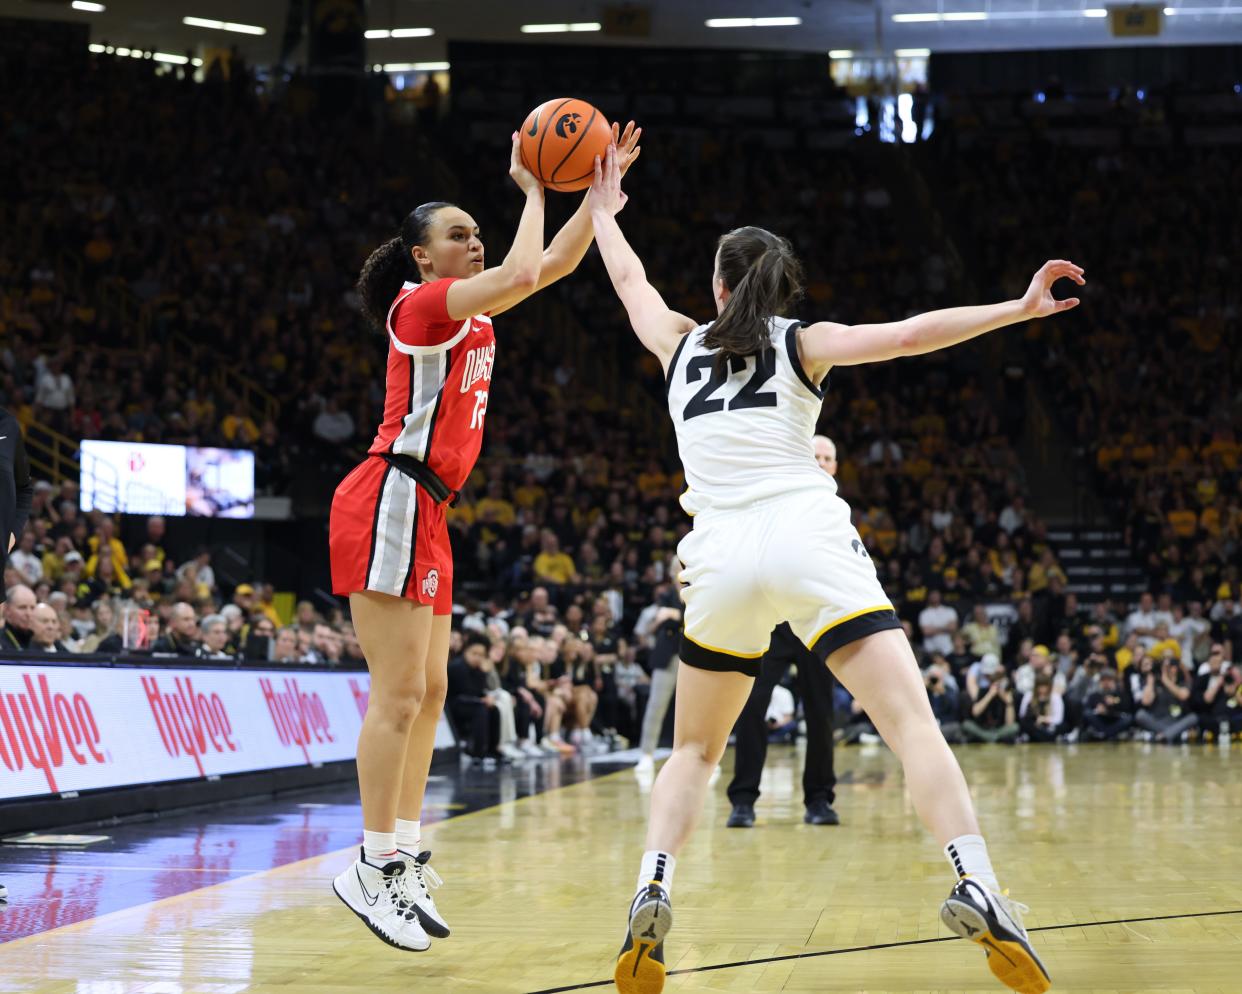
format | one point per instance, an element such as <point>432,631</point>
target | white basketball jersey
<point>744,436</point>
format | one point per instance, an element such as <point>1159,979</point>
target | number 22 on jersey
<point>750,395</point>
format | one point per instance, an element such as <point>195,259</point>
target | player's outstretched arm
<point>657,327</point>
<point>570,245</point>
<point>518,275</point>
<point>825,344</point>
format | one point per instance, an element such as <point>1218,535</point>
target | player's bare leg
<point>708,704</point>
<point>395,636</point>
<point>881,673</point>
<point>420,748</point>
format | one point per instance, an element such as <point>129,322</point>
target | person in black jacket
<point>16,494</point>
<point>19,606</point>
<point>181,637</point>
<point>469,702</point>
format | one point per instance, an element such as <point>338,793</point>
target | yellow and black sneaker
<point>640,965</point>
<point>995,922</point>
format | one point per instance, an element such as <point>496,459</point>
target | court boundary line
<point>767,960</point>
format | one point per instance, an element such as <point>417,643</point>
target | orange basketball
<point>560,140</point>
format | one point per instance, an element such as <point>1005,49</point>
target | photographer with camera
<point>1106,714</point>
<point>1161,690</point>
<point>945,699</point>
<point>1218,694</point>
<point>1085,682</point>
<point>992,716</point>
<point>1042,712</point>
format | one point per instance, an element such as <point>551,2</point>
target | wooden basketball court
<point>1129,855</point>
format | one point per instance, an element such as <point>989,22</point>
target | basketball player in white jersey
<point>773,542</point>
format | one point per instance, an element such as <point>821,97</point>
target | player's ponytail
<point>390,265</point>
<point>763,277</point>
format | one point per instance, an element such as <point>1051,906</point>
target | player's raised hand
<point>527,181</point>
<point>606,193</point>
<point>628,148</point>
<point>1038,300</point>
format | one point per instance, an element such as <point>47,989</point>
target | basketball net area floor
<point>1129,855</point>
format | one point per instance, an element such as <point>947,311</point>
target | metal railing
<point>53,456</point>
<point>132,314</point>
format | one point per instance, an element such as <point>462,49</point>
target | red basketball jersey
<point>439,373</point>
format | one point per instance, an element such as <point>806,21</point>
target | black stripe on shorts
<point>853,630</point>
<point>693,654</point>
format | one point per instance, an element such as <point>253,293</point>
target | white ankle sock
<point>657,866</point>
<point>409,835</point>
<point>968,855</point>
<point>380,847</point>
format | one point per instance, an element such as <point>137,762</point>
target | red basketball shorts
<point>387,534</point>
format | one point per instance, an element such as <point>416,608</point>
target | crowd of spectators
<point>72,585</point>
<point>1157,672</point>
<point>565,537</point>
<point>1147,379</point>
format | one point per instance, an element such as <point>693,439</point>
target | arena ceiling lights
<point>845,54</point>
<point>753,22</point>
<point>999,15</point>
<point>138,53</point>
<point>556,29</point>
<point>241,29</point>
<point>400,33</point>
<point>400,67</point>
<point>86,5</point>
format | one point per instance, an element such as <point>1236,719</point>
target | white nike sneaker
<point>995,922</point>
<point>530,749</point>
<point>418,883</point>
<point>375,894</point>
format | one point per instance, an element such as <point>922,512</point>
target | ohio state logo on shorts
<point>431,583</point>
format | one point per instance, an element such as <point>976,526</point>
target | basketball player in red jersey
<point>427,289</point>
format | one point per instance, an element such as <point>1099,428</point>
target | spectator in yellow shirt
<point>553,566</point>
<point>494,504</point>
<point>266,604</point>
<point>1042,572</point>
<point>529,493</point>
<point>652,480</point>
<point>239,427</point>
<point>1182,519</point>
<point>105,537</point>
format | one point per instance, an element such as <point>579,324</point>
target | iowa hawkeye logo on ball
<point>567,124</point>
<point>431,583</point>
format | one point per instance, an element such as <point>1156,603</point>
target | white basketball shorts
<point>794,558</point>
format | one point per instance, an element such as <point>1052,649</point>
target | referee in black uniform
<point>16,493</point>
<point>815,686</point>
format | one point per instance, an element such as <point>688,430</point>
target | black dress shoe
<point>742,816</point>
<point>820,813</point>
